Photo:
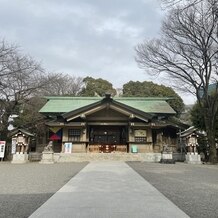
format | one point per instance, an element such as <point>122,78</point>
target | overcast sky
<point>83,37</point>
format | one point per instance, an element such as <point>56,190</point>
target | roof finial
<point>107,95</point>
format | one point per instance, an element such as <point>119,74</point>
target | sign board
<point>2,149</point>
<point>134,149</point>
<point>13,145</point>
<point>140,133</point>
<point>68,147</point>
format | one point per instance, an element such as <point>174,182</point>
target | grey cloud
<point>87,37</point>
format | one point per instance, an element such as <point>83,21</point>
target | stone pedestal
<point>47,157</point>
<point>193,158</point>
<point>167,157</point>
<point>20,158</point>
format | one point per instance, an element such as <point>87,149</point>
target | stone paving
<point>108,190</point>
<point>193,188</point>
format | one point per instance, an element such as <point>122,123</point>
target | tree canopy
<point>97,87</point>
<point>29,116</point>
<point>150,89</point>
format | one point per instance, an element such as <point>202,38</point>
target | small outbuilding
<point>189,139</point>
<point>20,145</point>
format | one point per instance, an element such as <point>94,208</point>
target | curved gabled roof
<point>61,105</point>
<point>107,103</point>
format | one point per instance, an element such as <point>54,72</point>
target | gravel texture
<point>24,187</point>
<point>193,188</point>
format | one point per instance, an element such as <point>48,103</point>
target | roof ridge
<point>143,98</point>
<point>72,97</point>
<point>115,98</point>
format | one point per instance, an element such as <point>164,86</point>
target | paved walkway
<point>108,190</point>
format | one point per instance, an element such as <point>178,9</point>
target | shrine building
<point>110,125</point>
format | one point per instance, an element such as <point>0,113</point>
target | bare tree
<point>6,51</point>
<point>63,84</point>
<point>187,52</point>
<point>185,3</point>
<point>20,77</point>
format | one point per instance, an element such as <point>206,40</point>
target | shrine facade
<point>110,125</point>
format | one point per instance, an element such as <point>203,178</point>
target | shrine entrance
<point>107,139</point>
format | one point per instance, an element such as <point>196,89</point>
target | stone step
<point>82,157</point>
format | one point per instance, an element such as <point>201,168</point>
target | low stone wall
<point>35,156</point>
<point>82,157</point>
<point>179,157</point>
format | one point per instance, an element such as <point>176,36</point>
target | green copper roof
<point>149,105</point>
<point>67,104</point>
